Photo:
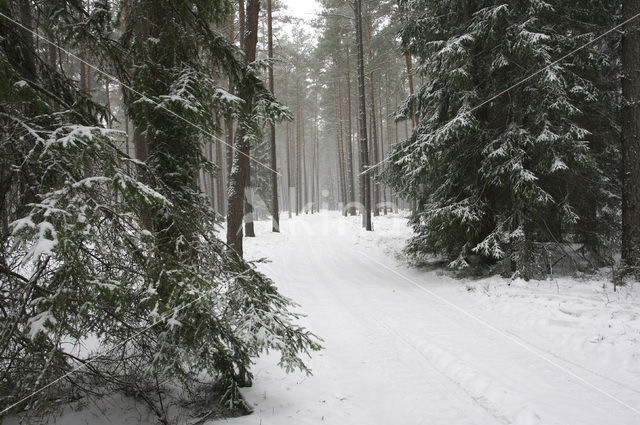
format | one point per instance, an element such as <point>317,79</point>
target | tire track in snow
<point>486,325</point>
<point>477,387</point>
<point>357,312</point>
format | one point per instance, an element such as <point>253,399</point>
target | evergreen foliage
<point>97,246</point>
<point>532,170</point>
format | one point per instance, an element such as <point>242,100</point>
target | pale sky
<point>303,9</point>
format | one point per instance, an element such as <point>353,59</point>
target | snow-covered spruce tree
<point>534,168</point>
<point>96,246</point>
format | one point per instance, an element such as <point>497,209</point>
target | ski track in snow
<point>396,355</point>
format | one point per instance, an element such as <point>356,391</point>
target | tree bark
<point>287,149</point>
<point>365,182</point>
<point>305,182</point>
<point>249,230</point>
<point>288,158</point>
<point>220,178</point>
<point>381,145</point>
<point>374,144</point>
<point>240,168</point>
<point>341,161</point>
<point>297,145</point>
<point>631,136</point>
<point>249,41</point>
<point>351,198</point>
<point>374,155</point>
<point>414,118</point>
<point>275,208</point>
<point>242,23</point>
<point>247,201</point>
<point>108,105</point>
<point>228,132</point>
<point>314,157</point>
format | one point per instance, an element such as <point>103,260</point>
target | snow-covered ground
<point>404,346</point>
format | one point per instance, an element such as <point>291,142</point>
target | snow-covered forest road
<point>398,352</point>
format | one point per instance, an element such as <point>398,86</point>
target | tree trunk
<point>314,156</point>
<point>228,138</point>
<point>631,136</point>
<point>407,60</point>
<point>288,158</point>
<point>381,145</point>
<point>365,182</point>
<point>220,178</point>
<point>297,145</point>
<point>341,161</point>
<point>351,196</point>
<point>141,146</point>
<point>374,144</point>
<point>373,157</point>
<point>108,98</point>
<point>249,230</point>
<point>240,168</point>
<point>228,132</point>
<point>305,183</point>
<point>242,24</point>
<point>250,57</point>
<point>275,209</point>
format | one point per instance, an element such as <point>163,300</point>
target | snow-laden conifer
<point>530,171</point>
<point>112,274</point>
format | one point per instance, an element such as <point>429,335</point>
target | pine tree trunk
<point>297,145</point>
<point>87,58</point>
<point>27,56</point>
<point>248,190</point>
<point>407,61</point>
<point>351,198</point>
<point>365,182</point>
<point>240,168</point>
<point>340,143</point>
<point>228,138</point>
<point>275,208</point>
<point>395,140</point>
<point>140,143</point>
<point>631,136</point>
<point>414,118</point>
<point>317,167</point>
<point>373,157</point>
<point>288,146</point>
<point>288,150</point>
<point>249,230</point>
<point>305,183</point>
<point>228,132</point>
<point>314,157</point>
<point>213,193</point>
<point>220,178</point>
<point>382,187</point>
<point>242,23</point>
<point>374,144</point>
<point>108,98</point>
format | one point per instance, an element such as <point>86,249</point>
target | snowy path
<point>396,354</point>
